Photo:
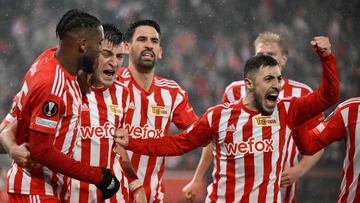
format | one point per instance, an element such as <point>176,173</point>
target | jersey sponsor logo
<point>250,146</point>
<point>107,130</point>
<point>144,132</point>
<point>50,109</point>
<point>115,109</point>
<point>163,111</point>
<point>45,122</point>
<point>263,121</point>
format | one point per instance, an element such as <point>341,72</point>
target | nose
<point>149,44</point>
<point>112,61</point>
<point>276,84</point>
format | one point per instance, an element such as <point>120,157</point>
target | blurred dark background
<point>205,46</point>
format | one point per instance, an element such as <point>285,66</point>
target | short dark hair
<point>75,19</point>
<point>112,34</point>
<point>132,27</point>
<point>255,62</point>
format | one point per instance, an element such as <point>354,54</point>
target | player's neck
<point>67,61</point>
<point>141,78</point>
<point>249,102</point>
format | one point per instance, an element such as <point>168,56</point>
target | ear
<point>126,47</point>
<point>82,45</point>
<point>249,84</point>
<point>284,58</point>
<point>160,53</point>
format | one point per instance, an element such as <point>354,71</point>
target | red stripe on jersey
<point>230,166</point>
<point>248,164</point>
<point>85,152</point>
<point>213,196</point>
<point>267,167</point>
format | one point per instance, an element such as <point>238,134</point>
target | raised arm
<point>198,135</point>
<point>328,93</point>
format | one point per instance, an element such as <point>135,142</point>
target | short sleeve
<point>46,110</point>
<point>183,114</point>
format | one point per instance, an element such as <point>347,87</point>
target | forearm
<point>307,162</point>
<point>7,138</point>
<point>329,90</point>
<point>170,145</point>
<point>43,152</point>
<point>326,95</point>
<point>204,163</point>
<point>126,164</point>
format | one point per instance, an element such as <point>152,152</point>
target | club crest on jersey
<point>263,121</point>
<point>163,111</point>
<point>115,109</point>
<point>49,109</point>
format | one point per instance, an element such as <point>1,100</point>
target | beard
<point>145,66</point>
<point>87,63</point>
<point>259,106</point>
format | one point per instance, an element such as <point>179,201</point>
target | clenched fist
<point>121,137</point>
<point>321,45</point>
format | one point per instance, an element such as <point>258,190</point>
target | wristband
<point>134,185</point>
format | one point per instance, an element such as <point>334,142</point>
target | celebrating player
<point>249,137</point>
<point>275,45</point>
<point>48,113</point>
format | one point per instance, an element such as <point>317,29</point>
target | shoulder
<point>296,84</point>
<point>169,84</point>
<point>349,103</point>
<point>123,74</point>
<point>234,85</point>
<point>120,86</point>
<point>227,106</point>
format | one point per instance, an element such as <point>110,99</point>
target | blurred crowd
<point>205,43</point>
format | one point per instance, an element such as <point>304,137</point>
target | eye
<point>120,56</point>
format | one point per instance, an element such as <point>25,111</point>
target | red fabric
<point>19,198</point>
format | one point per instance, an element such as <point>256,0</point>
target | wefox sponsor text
<point>144,132</point>
<point>250,146</point>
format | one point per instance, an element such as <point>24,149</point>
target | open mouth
<point>109,72</point>
<point>148,54</point>
<point>272,97</point>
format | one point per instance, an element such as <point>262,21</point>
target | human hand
<point>321,45</point>
<point>21,155</point>
<point>108,185</point>
<point>140,195</point>
<point>290,175</point>
<point>191,189</point>
<point>121,137</point>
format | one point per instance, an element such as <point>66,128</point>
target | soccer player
<point>249,137</point>
<point>275,45</point>
<point>48,113</point>
<point>103,111</point>
<point>344,124</point>
<point>155,102</point>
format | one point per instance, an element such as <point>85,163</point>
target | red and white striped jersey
<point>343,123</point>
<point>11,116</point>
<point>49,102</point>
<point>102,112</point>
<point>248,148</point>
<point>150,115</point>
<point>290,88</point>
